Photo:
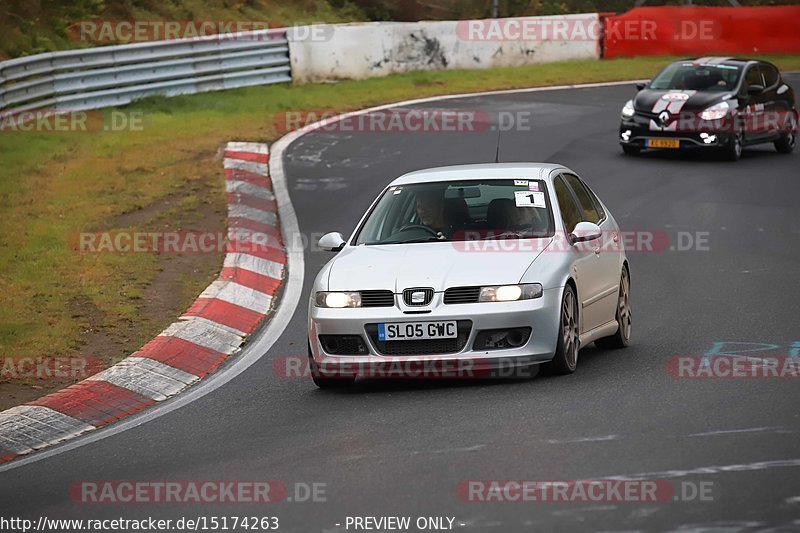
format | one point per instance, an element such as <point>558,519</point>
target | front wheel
<point>785,145</point>
<point>622,337</point>
<point>324,381</point>
<point>732,151</point>
<point>568,344</point>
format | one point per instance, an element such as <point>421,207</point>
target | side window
<point>753,77</point>
<point>588,206</point>
<point>770,74</point>
<point>566,204</point>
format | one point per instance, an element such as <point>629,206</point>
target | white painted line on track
<point>710,470</point>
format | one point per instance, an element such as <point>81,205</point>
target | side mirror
<point>641,85</point>
<point>332,242</point>
<point>584,232</point>
<point>755,90</point>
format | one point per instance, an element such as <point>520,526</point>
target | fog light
<point>498,339</point>
<point>626,135</point>
<point>708,138</point>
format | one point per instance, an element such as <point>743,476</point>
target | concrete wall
<point>357,51</point>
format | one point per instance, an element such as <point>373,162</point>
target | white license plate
<point>406,331</point>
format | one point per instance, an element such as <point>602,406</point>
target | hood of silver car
<point>437,265</point>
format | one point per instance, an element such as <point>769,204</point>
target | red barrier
<point>690,31</point>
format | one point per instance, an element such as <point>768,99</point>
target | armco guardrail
<point>116,75</point>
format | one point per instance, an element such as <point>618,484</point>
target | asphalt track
<point>400,448</point>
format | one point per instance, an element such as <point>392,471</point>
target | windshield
<point>459,211</point>
<point>687,76</point>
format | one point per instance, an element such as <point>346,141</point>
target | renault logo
<point>663,118</point>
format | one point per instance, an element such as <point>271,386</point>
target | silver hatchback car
<point>490,266</point>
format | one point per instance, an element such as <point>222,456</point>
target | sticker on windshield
<point>533,186</point>
<point>529,199</point>
<point>520,183</point>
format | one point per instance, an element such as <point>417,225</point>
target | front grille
<point>462,295</point>
<point>427,296</point>
<point>421,347</point>
<point>377,299</point>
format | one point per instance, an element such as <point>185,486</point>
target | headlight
<point>715,112</point>
<point>510,293</point>
<point>627,110</point>
<point>338,300</point>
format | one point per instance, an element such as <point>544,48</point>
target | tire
<point>733,150</point>
<point>568,343</point>
<point>630,150</point>
<point>785,145</point>
<point>327,382</point>
<point>622,337</point>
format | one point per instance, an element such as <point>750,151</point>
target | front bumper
<point>540,314</point>
<point>637,130</point>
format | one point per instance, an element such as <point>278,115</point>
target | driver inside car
<point>430,210</point>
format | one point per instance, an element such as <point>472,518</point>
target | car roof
<point>720,60</point>
<point>480,171</point>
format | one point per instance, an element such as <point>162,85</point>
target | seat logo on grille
<point>418,296</point>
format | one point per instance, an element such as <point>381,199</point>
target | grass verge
<point>167,176</point>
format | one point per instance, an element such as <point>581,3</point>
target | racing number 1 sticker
<point>529,199</point>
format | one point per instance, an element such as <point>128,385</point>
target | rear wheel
<point>325,381</point>
<point>785,144</point>
<point>631,150</point>
<point>622,337</point>
<point>568,344</point>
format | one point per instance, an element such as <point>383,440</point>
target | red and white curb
<point>211,330</point>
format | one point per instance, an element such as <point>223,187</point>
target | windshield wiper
<point>506,235</point>
<point>411,241</point>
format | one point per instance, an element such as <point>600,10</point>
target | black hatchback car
<point>716,103</point>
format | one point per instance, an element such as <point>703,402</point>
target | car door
<point>604,269</point>
<point>775,109</point>
<point>753,112</point>
<point>584,257</point>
